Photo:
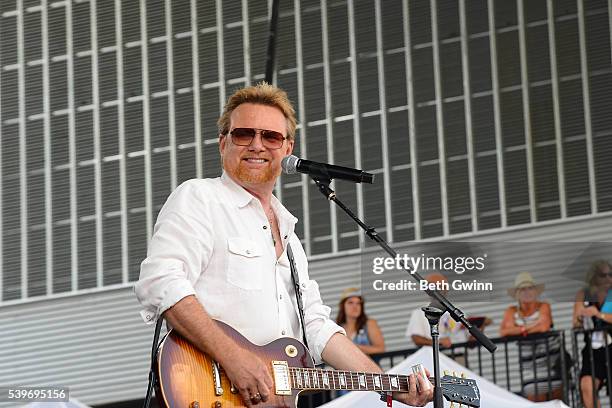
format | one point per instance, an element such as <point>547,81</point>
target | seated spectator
<point>450,331</point>
<point>587,314</point>
<point>364,331</point>
<point>531,316</point>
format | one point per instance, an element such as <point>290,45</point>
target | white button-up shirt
<point>213,240</point>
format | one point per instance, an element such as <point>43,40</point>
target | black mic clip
<point>323,185</point>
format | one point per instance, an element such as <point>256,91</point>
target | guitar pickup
<point>282,383</point>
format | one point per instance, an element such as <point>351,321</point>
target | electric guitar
<point>188,378</point>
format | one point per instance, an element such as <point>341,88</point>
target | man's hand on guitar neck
<point>244,368</point>
<point>343,354</point>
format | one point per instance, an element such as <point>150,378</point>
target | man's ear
<point>222,141</point>
<point>289,149</point>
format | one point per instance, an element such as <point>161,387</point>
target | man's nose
<point>257,142</point>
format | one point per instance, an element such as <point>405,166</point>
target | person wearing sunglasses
<point>587,314</point>
<point>218,251</point>
<point>530,315</point>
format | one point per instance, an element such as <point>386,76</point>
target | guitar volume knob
<point>194,404</point>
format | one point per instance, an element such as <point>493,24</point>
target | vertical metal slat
<point>356,113</point>
<point>554,77</point>
<point>246,47</point>
<point>146,125</point>
<point>47,149</point>
<point>497,115</point>
<point>439,117</point>
<point>171,104</point>
<point>302,115</point>
<point>23,180</point>
<point>533,216</point>
<point>96,133</point>
<point>382,97</point>
<point>467,104</point>
<point>1,189</point>
<point>329,117</point>
<point>586,100</point>
<point>195,67</point>
<point>414,165</point>
<point>74,243</point>
<point>121,135</point>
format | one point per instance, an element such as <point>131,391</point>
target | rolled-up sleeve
<point>319,327</point>
<point>177,254</point>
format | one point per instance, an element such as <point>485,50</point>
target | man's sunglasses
<point>271,139</point>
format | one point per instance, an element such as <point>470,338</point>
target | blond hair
<point>592,272</point>
<point>263,94</point>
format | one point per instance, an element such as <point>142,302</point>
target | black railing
<point>581,349</point>
<point>534,366</point>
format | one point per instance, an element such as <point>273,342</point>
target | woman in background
<point>587,315</point>
<point>530,316</point>
<point>364,332</point>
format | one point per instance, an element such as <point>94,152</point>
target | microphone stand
<point>438,298</point>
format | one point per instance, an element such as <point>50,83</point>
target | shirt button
<point>283,333</point>
<point>285,237</point>
<point>280,297</point>
<point>265,227</point>
<point>248,251</point>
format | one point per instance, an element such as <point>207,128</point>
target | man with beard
<point>218,251</point>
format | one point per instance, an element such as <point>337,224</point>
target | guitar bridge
<point>282,384</point>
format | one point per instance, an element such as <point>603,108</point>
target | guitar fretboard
<point>318,379</point>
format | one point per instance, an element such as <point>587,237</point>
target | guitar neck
<point>319,379</point>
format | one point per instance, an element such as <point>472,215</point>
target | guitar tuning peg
<point>463,375</point>
<point>452,405</point>
<point>446,372</point>
<point>455,374</point>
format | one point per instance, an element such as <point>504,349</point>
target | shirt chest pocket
<point>245,263</point>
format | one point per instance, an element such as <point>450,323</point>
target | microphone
<point>292,164</point>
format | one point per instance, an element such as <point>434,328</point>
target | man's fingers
<point>412,390</point>
<point>246,397</point>
<point>424,384</point>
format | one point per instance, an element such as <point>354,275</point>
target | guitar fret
<point>352,385</point>
<point>362,381</point>
<point>342,380</point>
<point>306,379</point>
<point>325,378</point>
<point>394,383</point>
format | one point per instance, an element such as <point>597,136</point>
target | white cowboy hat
<point>525,280</point>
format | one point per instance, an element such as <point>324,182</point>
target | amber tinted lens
<point>272,139</point>
<point>243,136</point>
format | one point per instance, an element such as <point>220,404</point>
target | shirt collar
<point>242,198</point>
<point>239,195</point>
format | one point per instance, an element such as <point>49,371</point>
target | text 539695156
<point>24,393</point>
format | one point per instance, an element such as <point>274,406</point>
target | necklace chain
<point>270,216</point>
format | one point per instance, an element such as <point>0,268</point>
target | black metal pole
<point>433,315</point>
<point>271,51</point>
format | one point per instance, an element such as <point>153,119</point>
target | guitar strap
<point>152,377</point>
<point>298,291</point>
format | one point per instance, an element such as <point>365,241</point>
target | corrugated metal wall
<point>97,344</point>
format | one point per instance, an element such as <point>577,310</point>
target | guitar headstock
<point>461,390</point>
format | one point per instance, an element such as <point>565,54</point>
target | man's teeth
<point>257,160</point>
